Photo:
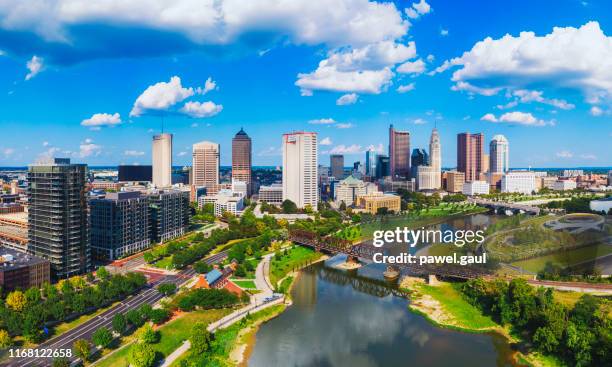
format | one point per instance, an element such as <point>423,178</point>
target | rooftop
<point>11,259</point>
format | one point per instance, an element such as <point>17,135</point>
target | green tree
<point>289,207</point>
<point>61,362</point>
<point>146,334</point>
<point>167,288</point>
<point>159,316</point>
<point>102,273</point>
<point>82,349</point>
<point>119,323</point>
<point>16,300</point>
<point>5,339</point>
<point>102,337</point>
<point>134,317</point>
<point>141,355</point>
<point>200,339</point>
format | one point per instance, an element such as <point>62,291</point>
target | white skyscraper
<point>435,160</point>
<point>162,160</point>
<point>498,154</point>
<point>300,168</point>
<point>205,169</point>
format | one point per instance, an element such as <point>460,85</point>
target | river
<point>341,318</point>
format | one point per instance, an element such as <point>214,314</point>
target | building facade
<point>382,166</point>
<point>241,159</point>
<point>399,153</point>
<point>370,162</point>
<point>135,173</point>
<point>162,160</point>
<point>435,158</point>
<point>300,164</point>
<point>418,158</point>
<point>205,164</point>
<point>562,185</point>
<point>349,189</point>
<point>224,201</point>
<point>371,203</point>
<point>57,216</point>
<point>428,178</point>
<point>470,151</point>
<point>336,164</point>
<point>476,188</point>
<point>22,271</point>
<point>119,225</point>
<point>272,194</point>
<point>522,182</point>
<point>499,154</point>
<point>169,214</point>
<point>454,181</point>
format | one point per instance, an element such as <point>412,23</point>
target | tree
<point>82,349</point>
<point>289,207</point>
<point>61,362</point>
<point>32,295</point>
<point>102,273</point>
<point>119,323</point>
<point>159,316</point>
<point>146,334</point>
<point>200,339</point>
<point>134,317</point>
<point>102,337</point>
<point>5,339</point>
<point>141,355</point>
<point>16,301</point>
<point>145,311</point>
<point>167,288</point>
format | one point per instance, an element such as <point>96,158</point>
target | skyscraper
<point>418,158</point>
<point>57,218</point>
<point>370,162</point>
<point>382,166</point>
<point>499,154</point>
<point>470,149</point>
<point>399,152</point>
<point>162,160</point>
<point>205,165</point>
<point>336,162</point>
<point>435,157</point>
<point>300,169</point>
<point>241,158</point>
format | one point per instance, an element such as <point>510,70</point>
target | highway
<point>148,294</point>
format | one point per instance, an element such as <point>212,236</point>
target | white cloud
<point>527,96</point>
<point>443,32</point>
<point>323,121</point>
<point>405,88</point>
<point>201,109</point>
<point>8,152</point>
<point>161,96</point>
<point>208,86</point>
<point>414,67</point>
<point>195,124</point>
<point>564,154</point>
<point>471,89</point>
<point>181,154</point>
<point>329,78</point>
<point>568,57</point>
<point>517,117</point>
<point>45,143</point>
<point>133,153</point>
<point>419,121</point>
<point>430,58</point>
<point>347,125</point>
<point>270,152</point>
<point>376,148</point>
<point>102,119</point>
<point>35,66</point>
<point>347,99</point>
<point>88,148</point>
<point>418,9</point>
<point>326,141</point>
<point>344,149</point>
<point>588,156</point>
<point>596,111</point>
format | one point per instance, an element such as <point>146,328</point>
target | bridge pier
<point>392,273</point>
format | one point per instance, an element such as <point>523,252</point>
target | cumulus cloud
<point>200,110</point>
<point>102,119</point>
<point>35,66</point>
<point>133,153</point>
<point>346,149</point>
<point>161,96</point>
<point>209,85</point>
<point>528,96</point>
<point>517,117</point>
<point>270,152</point>
<point>347,125</point>
<point>405,88</point>
<point>347,99</point>
<point>326,141</point>
<point>376,148</point>
<point>596,111</point>
<point>418,9</point>
<point>591,157</point>
<point>565,154</point>
<point>323,121</point>
<point>7,152</point>
<point>568,57</point>
<point>412,67</point>
<point>419,121</point>
<point>443,32</point>
<point>88,148</point>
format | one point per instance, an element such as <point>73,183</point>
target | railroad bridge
<point>364,251</point>
<point>500,205</point>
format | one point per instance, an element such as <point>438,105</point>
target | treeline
<point>207,299</point>
<point>581,335</point>
<point>573,205</point>
<point>26,313</point>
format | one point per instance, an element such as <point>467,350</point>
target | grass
<point>462,314</point>
<point>246,284</point>
<point>164,263</point>
<point>292,259</point>
<point>171,334</point>
<point>568,299</point>
<point>227,245</point>
<point>565,258</point>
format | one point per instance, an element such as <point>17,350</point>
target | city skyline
<point>424,68</point>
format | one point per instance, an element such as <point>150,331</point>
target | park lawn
<point>227,245</point>
<point>292,259</point>
<point>568,299</point>
<point>164,263</point>
<point>171,334</point>
<point>440,249</point>
<point>246,284</point>
<point>463,314</point>
<point>66,326</point>
<point>565,258</point>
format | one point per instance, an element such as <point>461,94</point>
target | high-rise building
<point>205,165</point>
<point>399,153</point>
<point>370,162</point>
<point>435,157</point>
<point>57,218</point>
<point>241,158</point>
<point>454,181</point>
<point>470,150</point>
<point>119,225</point>
<point>135,173</point>
<point>523,182</point>
<point>300,165</point>
<point>162,160</point>
<point>169,213</point>
<point>418,158</point>
<point>336,163</point>
<point>382,166</point>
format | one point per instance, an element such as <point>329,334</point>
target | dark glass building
<point>418,158</point>
<point>135,173</point>
<point>382,166</point>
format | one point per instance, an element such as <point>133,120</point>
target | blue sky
<point>93,79</point>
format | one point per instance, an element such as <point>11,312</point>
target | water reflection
<point>343,319</point>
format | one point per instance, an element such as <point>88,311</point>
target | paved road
<point>149,295</point>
